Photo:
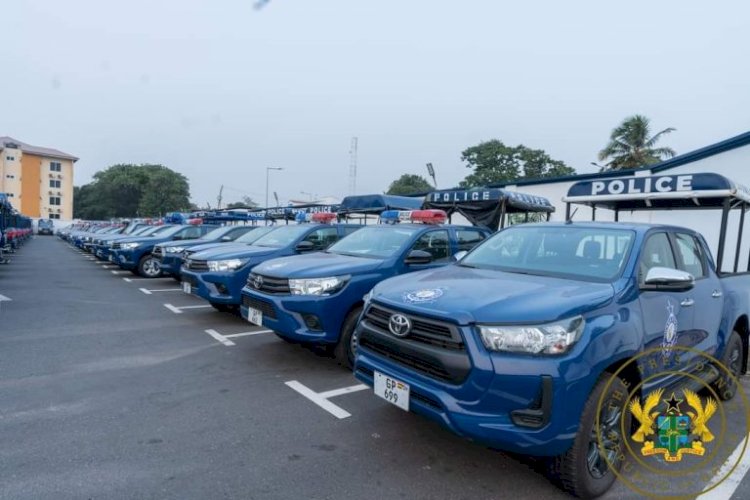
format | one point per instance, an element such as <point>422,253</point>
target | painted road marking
<point>155,290</point>
<point>120,272</point>
<point>224,339</point>
<point>144,279</point>
<point>728,486</point>
<point>3,298</point>
<point>178,310</point>
<point>321,398</point>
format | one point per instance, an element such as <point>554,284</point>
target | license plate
<point>392,390</point>
<point>255,316</point>
<point>187,287</point>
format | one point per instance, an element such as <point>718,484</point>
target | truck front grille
<point>265,307</point>
<point>197,265</point>
<point>268,284</point>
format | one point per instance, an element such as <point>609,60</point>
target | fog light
<point>312,322</point>
<point>222,289</point>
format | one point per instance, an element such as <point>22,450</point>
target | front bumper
<point>170,263</point>
<point>489,402</point>
<point>126,259</point>
<point>285,314</point>
<point>217,287</point>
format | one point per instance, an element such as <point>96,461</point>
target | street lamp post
<point>268,169</point>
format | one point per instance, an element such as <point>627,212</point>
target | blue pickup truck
<point>317,298</point>
<point>218,275</point>
<point>169,254</point>
<point>525,342</point>
<point>135,253</point>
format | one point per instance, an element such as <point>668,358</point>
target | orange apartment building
<point>38,180</point>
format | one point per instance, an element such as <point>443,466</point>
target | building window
<point>9,176</point>
<point>10,195</point>
<point>55,166</point>
<point>10,158</point>
<point>54,184</point>
<point>54,216</point>
<point>54,200</point>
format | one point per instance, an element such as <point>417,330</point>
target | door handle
<point>687,302</point>
<point>716,294</point>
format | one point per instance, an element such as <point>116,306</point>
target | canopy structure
<point>377,203</point>
<point>487,206</point>
<point>699,191</point>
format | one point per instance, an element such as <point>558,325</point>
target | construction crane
<point>219,198</point>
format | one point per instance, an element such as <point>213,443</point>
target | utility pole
<point>353,167</point>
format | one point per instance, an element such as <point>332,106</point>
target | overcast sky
<point>218,90</point>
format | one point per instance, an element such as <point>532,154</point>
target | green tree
<point>409,184</point>
<point>126,190</point>
<point>493,162</point>
<point>631,145</point>
<point>165,191</point>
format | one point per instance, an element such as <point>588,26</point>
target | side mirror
<point>665,278</point>
<point>305,246</point>
<point>460,255</point>
<point>226,238</point>
<point>177,237</point>
<point>418,257</point>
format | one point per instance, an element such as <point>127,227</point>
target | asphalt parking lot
<point>113,386</point>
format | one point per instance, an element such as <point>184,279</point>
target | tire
<point>581,472</point>
<point>148,267</point>
<point>347,345</point>
<point>731,360</point>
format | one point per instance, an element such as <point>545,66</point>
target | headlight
<point>550,338</point>
<point>130,246</point>
<point>317,286</point>
<point>225,265</point>
<point>174,249</point>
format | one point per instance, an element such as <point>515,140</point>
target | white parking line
<point>151,291</point>
<point>145,279</point>
<point>221,338</point>
<point>245,334</point>
<point>120,272</point>
<point>321,398</point>
<point>3,298</point>
<point>178,310</point>
<point>730,483</point>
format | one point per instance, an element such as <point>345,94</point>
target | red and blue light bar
<point>431,216</point>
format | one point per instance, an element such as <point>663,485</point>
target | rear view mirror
<point>665,278</point>
<point>418,257</point>
<point>305,246</point>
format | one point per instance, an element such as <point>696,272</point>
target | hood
<point>484,296</point>
<point>142,239</point>
<point>224,252</point>
<point>317,265</point>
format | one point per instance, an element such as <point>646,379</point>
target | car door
<point>667,316</point>
<point>437,243</point>
<point>708,300</point>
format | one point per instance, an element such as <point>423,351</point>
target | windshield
<point>254,235</point>
<point>595,254</point>
<point>376,242</point>
<point>166,230</point>
<point>282,236</point>
<point>217,233</point>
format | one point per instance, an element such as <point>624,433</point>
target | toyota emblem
<point>399,325</point>
<point>258,282</point>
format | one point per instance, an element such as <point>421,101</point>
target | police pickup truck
<point>218,275</point>
<point>521,344</point>
<point>169,254</point>
<point>135,253</point>
<point>317,298</point>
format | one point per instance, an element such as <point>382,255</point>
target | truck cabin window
<point>594,254</point>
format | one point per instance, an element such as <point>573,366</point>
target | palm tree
<point>631,147</point>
